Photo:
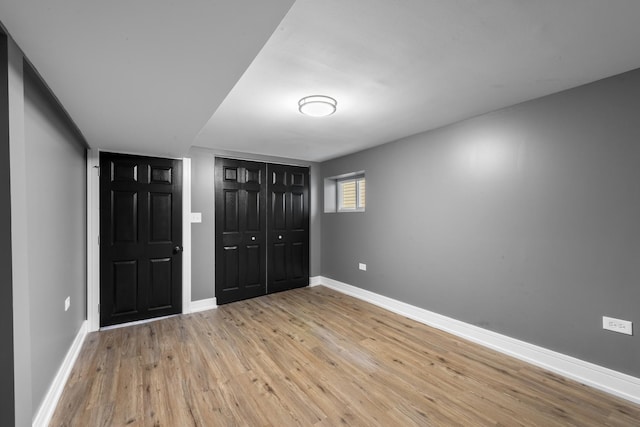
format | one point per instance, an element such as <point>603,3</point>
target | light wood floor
<point>314,357</point>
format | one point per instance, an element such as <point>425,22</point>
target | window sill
<point>349,210</point>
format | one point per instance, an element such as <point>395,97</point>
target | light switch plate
<point>362,266</point>
<point>196,217</point>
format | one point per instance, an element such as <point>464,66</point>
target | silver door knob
<point>253,237</point>
<point>280,237</point>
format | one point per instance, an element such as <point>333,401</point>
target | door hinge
<point>98,240</point>
<point>98,308</point>
<point>98,167</point>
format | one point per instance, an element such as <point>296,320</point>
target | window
<point>351,194</point>
<point>345,193</point>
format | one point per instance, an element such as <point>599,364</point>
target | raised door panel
<point>160,208</point>
<point>253,213</point>
<point>253,266</point>
<point>278,267</point>
<point>298,179</point>
<point>231,268</point>
<point>125,287</point>
<point>298,270</point>
<point>253,174</point>
<point>299,216</point>
<point>278,176</point>
<point>160,283</point>
<point>230,173</point>
<point>231,211</point>
<point>278,210</point>
<point>123,171</point>
<point>160,174</point>
<point>124,217</point>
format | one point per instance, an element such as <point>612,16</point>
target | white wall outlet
<point>617,325</point>
<point>196,217</point>
<point>67,303</point>
<point>362,266</point>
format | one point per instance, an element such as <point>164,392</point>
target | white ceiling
<point>151,76</point>
<point>141,75</point>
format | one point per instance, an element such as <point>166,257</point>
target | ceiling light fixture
<point>317,105</point>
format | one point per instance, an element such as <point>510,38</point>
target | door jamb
<point>93,232</point>
<point>93,237</point>
<point>186,235</point>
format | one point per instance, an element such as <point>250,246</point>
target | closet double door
<point>262,228</point>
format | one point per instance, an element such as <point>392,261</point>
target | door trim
<point>93,248</point>
<point>93,232</point>
<point>186,235</point>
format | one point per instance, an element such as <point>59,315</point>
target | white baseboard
<point>202,305</point>
<point>599,377</point>
<point>315,281</point>
<point>48,406</point>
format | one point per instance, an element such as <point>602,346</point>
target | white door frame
<point>93,237</point>
<point>93,248</point>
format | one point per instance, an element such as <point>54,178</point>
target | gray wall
<point>202,237</point>
<point>315,232</point>
<point>202,200</point>
<point>56,231</point>
<point>525,221</point>
<point>19,237</point>
<point>7,398</point>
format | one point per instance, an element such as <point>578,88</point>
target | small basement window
<point>351,194</point>
<point>345,193</point>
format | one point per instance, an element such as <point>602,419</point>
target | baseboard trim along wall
<point>202,305</point>
<point>48,406</point>
<point>315,281</point>
<point>605,379</point>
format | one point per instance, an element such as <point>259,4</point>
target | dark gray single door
<point>140,238</point>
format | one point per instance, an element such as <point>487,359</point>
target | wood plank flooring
<point>315,357</point>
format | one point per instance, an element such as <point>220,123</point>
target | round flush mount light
<point>317,105</point>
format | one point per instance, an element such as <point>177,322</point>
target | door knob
<point>253,237</point>
<point>280,237</point>
<point>177,250</point>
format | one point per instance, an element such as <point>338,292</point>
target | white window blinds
<point>351,194</point>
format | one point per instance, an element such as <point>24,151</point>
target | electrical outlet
<point>617,325</point>
<point>196,217</point>
<point>67,303</point>
<point>362,266</point>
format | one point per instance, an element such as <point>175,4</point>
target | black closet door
<point>288,227</point>
<point>140,238</point>
<point>240,255</point>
